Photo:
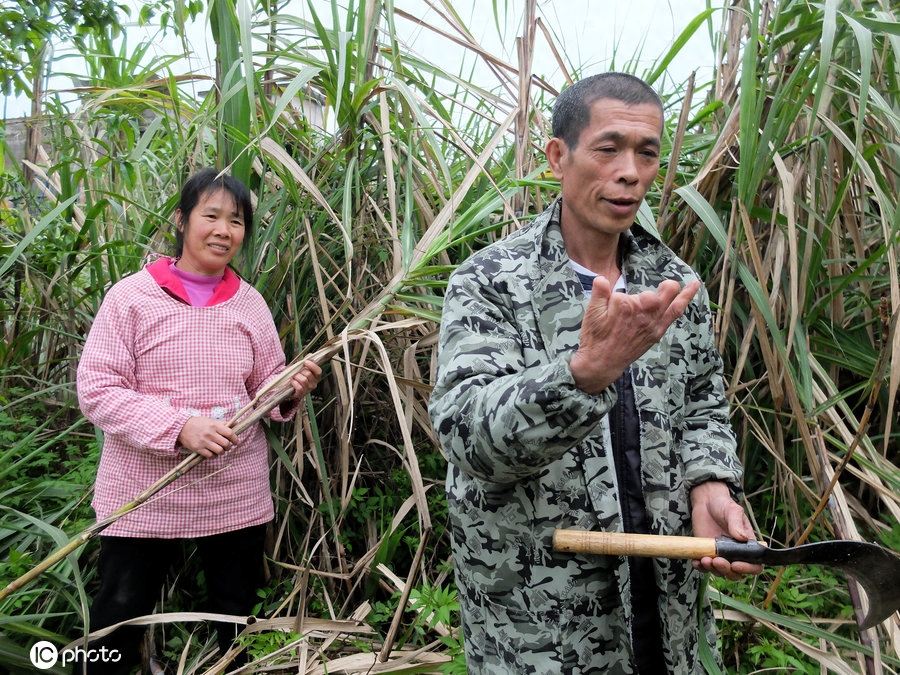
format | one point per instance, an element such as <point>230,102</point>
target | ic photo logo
<point>45,655</point>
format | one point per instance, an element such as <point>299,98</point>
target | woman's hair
<point>206,182</point>
<point>572,110</point>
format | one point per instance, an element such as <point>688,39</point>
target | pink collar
<point>160,272</point>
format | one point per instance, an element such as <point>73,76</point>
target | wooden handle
<point>643,545</point>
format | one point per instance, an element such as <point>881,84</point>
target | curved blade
<point>875,568</point>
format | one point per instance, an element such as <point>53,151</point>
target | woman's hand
<point>206,436</point>
<point>306,380</point>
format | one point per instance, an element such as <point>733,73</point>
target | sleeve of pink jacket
<point>108,391</point>
<point>270,360</point>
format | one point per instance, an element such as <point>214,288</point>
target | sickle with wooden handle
<point>876,569</point>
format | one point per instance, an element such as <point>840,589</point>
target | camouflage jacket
<point>529,452</point>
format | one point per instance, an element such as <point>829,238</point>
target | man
<point>564,404</point>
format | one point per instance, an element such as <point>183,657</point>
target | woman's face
<point>213,234</point>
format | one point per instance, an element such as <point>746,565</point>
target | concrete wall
<point>16,131</point>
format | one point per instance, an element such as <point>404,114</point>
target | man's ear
<point>555,152</point>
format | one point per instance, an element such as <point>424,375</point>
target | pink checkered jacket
<point>150,362</point>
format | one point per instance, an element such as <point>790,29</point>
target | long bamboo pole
<point>270,396</point>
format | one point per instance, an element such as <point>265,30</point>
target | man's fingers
<point>738,525</point>
<point>668,290</point>
<point>721,567</point>
<point>600,294</point>
<point>618,328</point>
<point>601,285</point>
<point>687,293</point>
<point>745,568</point>
<point>681,299</point>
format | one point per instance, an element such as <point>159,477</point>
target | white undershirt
<point>619,286</point>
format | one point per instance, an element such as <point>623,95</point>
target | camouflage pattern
<point>529,452</point>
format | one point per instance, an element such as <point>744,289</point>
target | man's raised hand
<point>618,328</point>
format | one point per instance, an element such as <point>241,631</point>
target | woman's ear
<point>178,223</point>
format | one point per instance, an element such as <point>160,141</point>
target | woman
<point>174,352</point>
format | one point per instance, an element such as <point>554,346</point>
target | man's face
<point>605,177</point>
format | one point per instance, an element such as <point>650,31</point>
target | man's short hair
<point>572,110</point>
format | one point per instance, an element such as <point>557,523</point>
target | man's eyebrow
<point>619,136</point>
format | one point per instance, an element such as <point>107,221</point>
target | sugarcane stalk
<point>273,394</point>
<point>888,326</point>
